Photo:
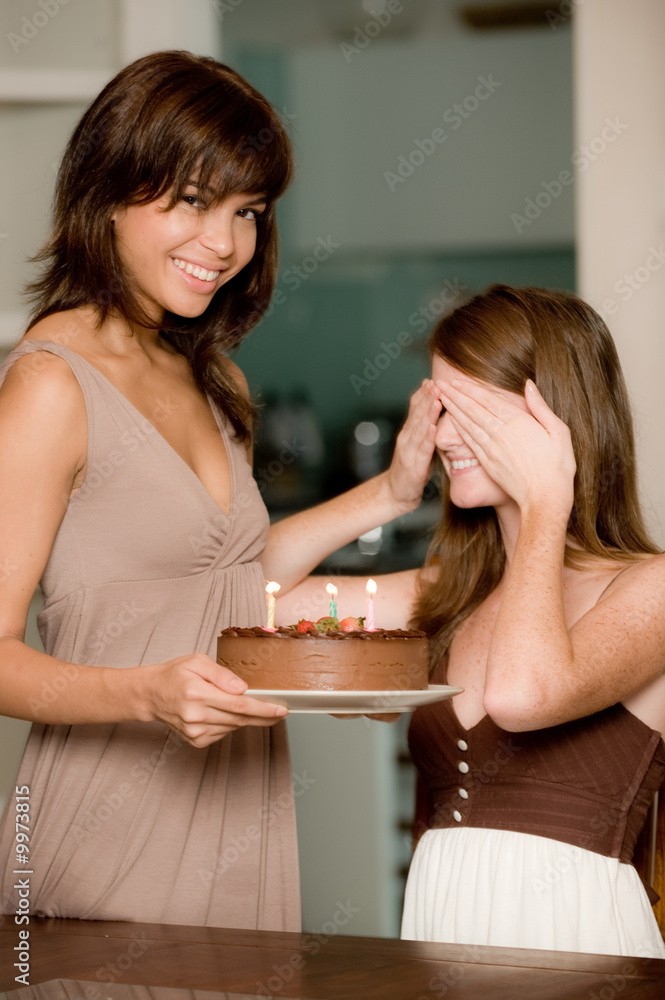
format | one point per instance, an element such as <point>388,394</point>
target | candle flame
<point>371,587</point>
<point>331,589</point>
<point>272,588</point>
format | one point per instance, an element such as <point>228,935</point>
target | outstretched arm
<point>393,602</point>
<point>297,544</point>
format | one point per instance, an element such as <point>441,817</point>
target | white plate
<point>355,702</point>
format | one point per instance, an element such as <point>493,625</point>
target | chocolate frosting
<point>286,632</point>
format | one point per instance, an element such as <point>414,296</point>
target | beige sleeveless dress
<point>130,822</point>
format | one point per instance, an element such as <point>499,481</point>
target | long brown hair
<point>505,336</point>
<point>164,119</point>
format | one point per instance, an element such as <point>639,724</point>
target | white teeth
<point>199,272</point>
<point>464,463</point>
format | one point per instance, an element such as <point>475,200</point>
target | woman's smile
<point>198,270</point>
<point>458,465</point>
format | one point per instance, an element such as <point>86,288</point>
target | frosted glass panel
<point>435,144</point>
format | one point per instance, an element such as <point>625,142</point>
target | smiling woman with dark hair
<point>158,790</point>
<point>168,128</point>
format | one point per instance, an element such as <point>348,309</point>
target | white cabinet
<point>351,802</point>
<point>434,144</point>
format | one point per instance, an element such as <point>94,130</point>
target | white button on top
<point>462,744</point>
<point>463,767</point>
<point>457,816</point>
<point>463,794</point>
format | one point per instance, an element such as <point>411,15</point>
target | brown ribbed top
<point>589,782</point>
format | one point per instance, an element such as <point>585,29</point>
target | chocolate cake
<point>359,660</point>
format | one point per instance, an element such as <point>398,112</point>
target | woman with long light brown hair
<point>544,600</point>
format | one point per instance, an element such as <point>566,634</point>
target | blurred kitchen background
<point>441,146</point>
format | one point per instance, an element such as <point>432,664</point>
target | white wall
<point>620,78</point>
<point>32,141</point>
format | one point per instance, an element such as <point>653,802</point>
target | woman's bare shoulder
<point>70,328</point>
<point>43,422</point>
<point>41,395</point>
<point>644,571</point>
<point>42,378</point>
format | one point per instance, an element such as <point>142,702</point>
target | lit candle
<point>371,591</point>
<point>271,590</point>
<point>332,590</point>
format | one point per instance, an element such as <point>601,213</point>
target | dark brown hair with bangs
<point>505,336</point>
<point>164,120</point>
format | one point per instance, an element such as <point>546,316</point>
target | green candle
<point>332,590</point>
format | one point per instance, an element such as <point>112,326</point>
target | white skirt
<point>515,890</point>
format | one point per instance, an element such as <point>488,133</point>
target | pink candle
<point>271,590</point>
<point>369,620</point>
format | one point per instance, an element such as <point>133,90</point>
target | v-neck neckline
<point>449,703</point>
<point>459,724</point>
<point>229,461</point>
